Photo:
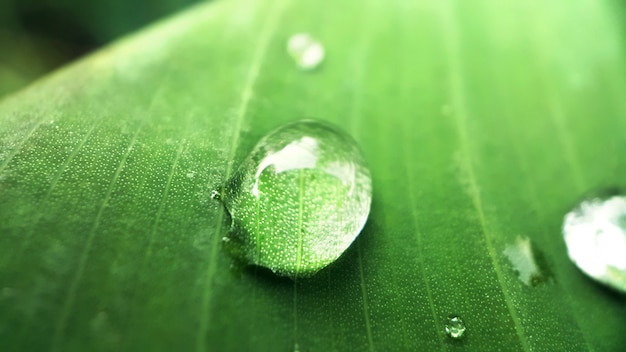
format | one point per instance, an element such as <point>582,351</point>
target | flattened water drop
<point>525,259</point>
<point>595,235</point>
<point>307,52</point>
<point>455,327</point>
<point>299,199</point>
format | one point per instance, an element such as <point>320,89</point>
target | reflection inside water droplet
<point>595,235</point>
<point>299,154</point>
<point>455,327</point>
<point>307,52</point>
<point>525,259</point>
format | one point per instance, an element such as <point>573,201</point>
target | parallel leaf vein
<point>267,32</point>
<point>460,118</point>
<point>71,295</point>
<point>162,202</point>
<point>44,200</point>
<point>19,147</point>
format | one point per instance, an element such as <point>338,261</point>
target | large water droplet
<point>455,327</point>
<point>299,199</point>
<point>305,50</point>
<point>595,235</point>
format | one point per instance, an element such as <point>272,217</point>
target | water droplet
<point>305,50</point>
<point>191,174</point>
<point>299,199</point>
<point>595,235</point>
<point>215,194</point>
<point>455,327</point>
<point>525,258</point>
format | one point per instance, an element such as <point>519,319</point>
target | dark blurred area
<point>38,36</point>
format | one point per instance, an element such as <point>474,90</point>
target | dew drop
<point>307,52</point>
<point>215,194</point>
<point>455,328</point>
<point>526,260</point>
<point>299,199</point>
<point>595,235</point>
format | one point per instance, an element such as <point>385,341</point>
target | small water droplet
<point>299,199</point>
<point>455,327</point>
<point>215,194</point>
<point>524,257</point>
<point>191,174</point>
<point>305,50</point>
<point>595,235</point>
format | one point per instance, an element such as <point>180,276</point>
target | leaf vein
<point>460,119</point>
<point>269,28</point>
<point>15,151</point>
<point>162,202</point>
<point>366,315</point>
<point>41,208</point>
<point>420,254</point>
<point>71,295</point>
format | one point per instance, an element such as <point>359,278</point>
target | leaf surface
<point>483,124</point>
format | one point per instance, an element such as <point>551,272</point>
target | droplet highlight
<point>455,328</point>
<point>299,199</point>
<point>305,50</point>
<point>595,235</point>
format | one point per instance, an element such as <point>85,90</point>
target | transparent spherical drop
<point>595,235</point>
<point>299,199</point>
<point>455,327</point>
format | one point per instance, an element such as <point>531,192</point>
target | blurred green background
<point>38,36</point>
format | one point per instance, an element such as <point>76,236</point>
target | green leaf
<point>483,123</point>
